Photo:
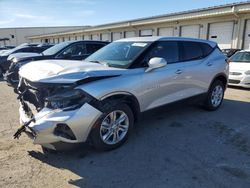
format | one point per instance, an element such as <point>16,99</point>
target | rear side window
<point>37,50</point>
<point>191,51</point>
<point>206,49</point>
<point>167,50</point>
<point>28,49</point>
<point>91,48</point>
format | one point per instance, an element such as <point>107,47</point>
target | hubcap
<point>114,127</point>
<point>217,95</point>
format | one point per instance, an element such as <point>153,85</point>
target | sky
<point>33,13</point>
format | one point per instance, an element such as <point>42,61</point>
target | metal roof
<point>161,18</point>
<point>162,38</point>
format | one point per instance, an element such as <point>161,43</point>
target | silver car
<point>100,99</point>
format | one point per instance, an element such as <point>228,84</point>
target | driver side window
<point>75,50</point>
<point>168,50</point>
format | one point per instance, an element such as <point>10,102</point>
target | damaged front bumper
<point>48,126</point>
<point>11,79</point>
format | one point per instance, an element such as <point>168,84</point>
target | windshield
<point>54,49</point>
<point>241,57</point>
<point>119,54</point>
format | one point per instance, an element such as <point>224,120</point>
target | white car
<point>239,69</point>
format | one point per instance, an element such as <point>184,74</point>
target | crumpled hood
<point>65,71</point>
<point>239,66</point>
<point>22,56</point>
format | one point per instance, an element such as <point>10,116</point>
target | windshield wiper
<point>100,62</point>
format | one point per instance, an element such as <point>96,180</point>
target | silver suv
<point>101,98</point>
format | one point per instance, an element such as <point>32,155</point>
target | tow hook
<point>19,131</point>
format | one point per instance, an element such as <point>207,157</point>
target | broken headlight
<point>69,100</point>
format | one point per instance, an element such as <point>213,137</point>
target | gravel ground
<point>176,146</point>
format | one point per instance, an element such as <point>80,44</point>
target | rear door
<point>199,69</point>
<point>163,85</point>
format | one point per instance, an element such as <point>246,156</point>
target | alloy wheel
<point>114,127</point>
<point>217,95</point>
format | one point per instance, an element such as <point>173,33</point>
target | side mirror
<point>155,63</point>
<point>67,54</point>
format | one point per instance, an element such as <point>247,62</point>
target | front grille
<point>234,81</point>
<point>235,73</point>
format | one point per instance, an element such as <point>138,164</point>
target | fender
<point>219,75</point>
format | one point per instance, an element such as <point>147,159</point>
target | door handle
<point>209,63</point>
<point>178,71</point>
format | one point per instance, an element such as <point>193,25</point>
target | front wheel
<point>112,129</point>
<point>215,96</point>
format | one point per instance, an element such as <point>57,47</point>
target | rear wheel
<point>215,95</point>
<point>112,129</point>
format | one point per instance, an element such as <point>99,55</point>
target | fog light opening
<point>63,130</point>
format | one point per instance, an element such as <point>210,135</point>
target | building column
<point>239,33</point>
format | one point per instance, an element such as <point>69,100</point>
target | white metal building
<point>228,25</point>
<point>17,36</point>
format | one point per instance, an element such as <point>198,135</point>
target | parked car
<point>9,46</point>
<point>6,47</point>
<point>74,50</point>
<point>229,52</point>
<point>101,98</point>
<point>4,63</point>
<point>2,48</point>
<point>43,46</point>
<point>239,68</point>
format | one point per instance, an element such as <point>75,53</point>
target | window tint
<point>167,50</point>
<point>91,48</point>
<point>37,50</point>
<point>206,49</point>
<point>191,51</point>
<point>25,50</point>
<point>76,50</point>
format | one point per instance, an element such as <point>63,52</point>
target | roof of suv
<point>160,38</point>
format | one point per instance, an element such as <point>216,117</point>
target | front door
<point>163,85</point>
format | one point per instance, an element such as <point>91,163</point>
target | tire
<point>215,96</point>
<point>104,127</point>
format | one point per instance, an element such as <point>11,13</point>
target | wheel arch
<point>222,77</point>
<point>128,98</point>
